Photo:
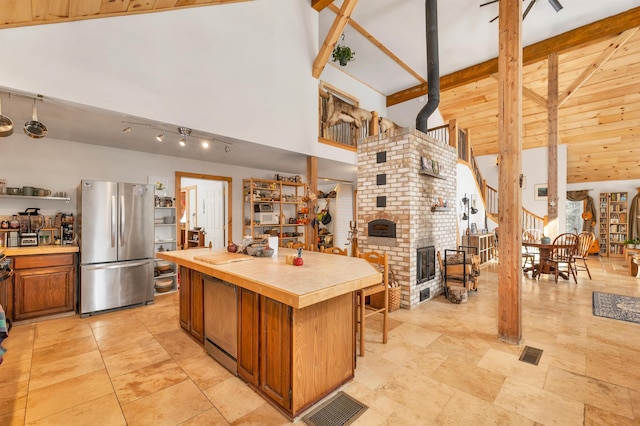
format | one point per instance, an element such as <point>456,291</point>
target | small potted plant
<point>343,54</point>
<point>630,243</point>
<point>637,243</point>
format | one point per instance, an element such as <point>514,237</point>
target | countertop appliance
<point>221,322</point>
<point>116,233</point>
<point>31,221</point>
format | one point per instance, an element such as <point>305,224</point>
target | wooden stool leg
<point>362,314</point>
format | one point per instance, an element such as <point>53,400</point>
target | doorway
<point>204,202</point>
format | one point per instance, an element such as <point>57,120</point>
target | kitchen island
<point>296,324</point>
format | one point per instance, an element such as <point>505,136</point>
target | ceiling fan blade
<point>529,6</point>
<point>489,2</point>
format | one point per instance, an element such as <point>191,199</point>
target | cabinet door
<point>185,298</point>
<point>275,351</point>
<point>197,306</point>
<point>6,297</point>
<point>43,291</point>
<point>248,335</point>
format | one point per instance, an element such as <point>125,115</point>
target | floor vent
<point>340,410</point>
<point>531,355</point>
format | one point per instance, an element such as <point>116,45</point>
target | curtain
<point>589,214</point>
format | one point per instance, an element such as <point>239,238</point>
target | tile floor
<point>443,365</point>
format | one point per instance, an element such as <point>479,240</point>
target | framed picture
<point>541,191</point>
<point>426,164</point>
<point>436,167</point>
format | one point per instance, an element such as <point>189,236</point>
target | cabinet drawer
<point>43,261</point>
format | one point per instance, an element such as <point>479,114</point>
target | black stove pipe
<point>433,70</point>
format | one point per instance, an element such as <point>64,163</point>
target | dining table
<point>544,266</point>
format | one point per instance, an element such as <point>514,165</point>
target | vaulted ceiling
<point>597,42</point>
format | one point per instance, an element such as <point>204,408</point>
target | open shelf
<point>35,197</point>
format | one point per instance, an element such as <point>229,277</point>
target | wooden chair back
<point>585,240</point>
<point>381,261</point>
<point>565,246</point>
<point>335,250</point>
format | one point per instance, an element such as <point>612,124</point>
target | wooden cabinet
<point>615,227</point>
<point>6,295</point>
<point>43,285</point>
<point>484,243</point>
<point>276,208</point>
<point>192,303</point>
<point>248,335</point>
<point>195,238</point>
<point>294,375</point>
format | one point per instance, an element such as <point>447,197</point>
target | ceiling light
<point>184,131</point>
<point>556,5</point>
<point>205,144</point>
<point>160,136</point>
<point>183,141</point>
<point>127,130</point>
<point>227,149</point>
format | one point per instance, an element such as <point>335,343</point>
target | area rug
<point>616,306</point>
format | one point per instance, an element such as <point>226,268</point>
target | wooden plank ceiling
<point>16,13</point>
<point>599,119</point>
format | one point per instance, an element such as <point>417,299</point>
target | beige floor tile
<point>170,406</point>
<point>46,374</point>
<point>594,416</point>
<point>635,402</point>
<point>101,411</point>
<point>147,380</point>
<point>128,340</point>
<point>15,372</point>
<point>606,396</point>
<point>210,417</point>
<point>265,414</point>
<point>63,350</point>
<point>465,409</point>
<point>62,395</point>
<point>178,344</point>
<point>510,366</point>
<point>13,396</point>
<point>481,383</point>
<point>539,405</point>
<point>135,359</point>
<point>204,370</point>
<point>612,369</point>
<point>60,330</point>
<point>234,399</point>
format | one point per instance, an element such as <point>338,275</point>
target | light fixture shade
<point>127,130</point>
<point>183,141</point>
<point>160,137</point>
<point>227,149</point>
<point>556,5</point>
<point>205,144</point>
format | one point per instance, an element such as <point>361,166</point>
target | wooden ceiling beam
<point>614,47</point>
<point>319,5</point>
<point>342,17</point>
<point>589,33</point>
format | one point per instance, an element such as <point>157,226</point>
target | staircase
<point>458,138</point>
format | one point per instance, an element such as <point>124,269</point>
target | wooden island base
<point>296,330</point>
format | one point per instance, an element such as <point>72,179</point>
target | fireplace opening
<point>382,228</point>
<point>426,264</point>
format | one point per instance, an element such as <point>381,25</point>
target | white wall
<point>60,165</point>
<point>534,168</point>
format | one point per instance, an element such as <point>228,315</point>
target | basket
<point>377,300</point>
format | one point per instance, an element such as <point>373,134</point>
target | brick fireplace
<point>394,188</point>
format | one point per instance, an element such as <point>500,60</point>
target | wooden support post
<point>510,146</point>
<point>552,158</point>
<point>453,133</point>
<point>374,126</point>
<point>310,235</point>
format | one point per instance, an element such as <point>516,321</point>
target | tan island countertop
<point>322,276</point>
<point>30,250</point>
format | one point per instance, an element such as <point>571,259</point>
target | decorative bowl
<point>267,252</point>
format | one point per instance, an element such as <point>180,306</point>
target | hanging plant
<point>343,54</point>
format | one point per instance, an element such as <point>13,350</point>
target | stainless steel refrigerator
<point>116,232</point>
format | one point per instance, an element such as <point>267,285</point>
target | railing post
<point>453,133</point>
<point>374,126</point>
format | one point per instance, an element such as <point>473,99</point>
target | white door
<point>213,212</point>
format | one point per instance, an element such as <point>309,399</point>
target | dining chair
<point>380,261</point>
<point>585,240</point>
<point>299,244</point>
<point>335,250</point>
<point>530,255</point>
<point>565,247</point>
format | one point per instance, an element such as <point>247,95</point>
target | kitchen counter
<point>322,276</point>
<point>295,324</point>
<point>51,249</point>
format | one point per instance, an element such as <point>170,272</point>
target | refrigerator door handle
<point>116,265</point>
<point>114,216</point>
<point>122,220</point>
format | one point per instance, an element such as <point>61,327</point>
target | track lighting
<point>127,130</point>
<point>556,5</point>
<point>183,141</point>
<point>160,136</point>
<point>227,149</point>
<point>205,144</point>
<point>184,131</point>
